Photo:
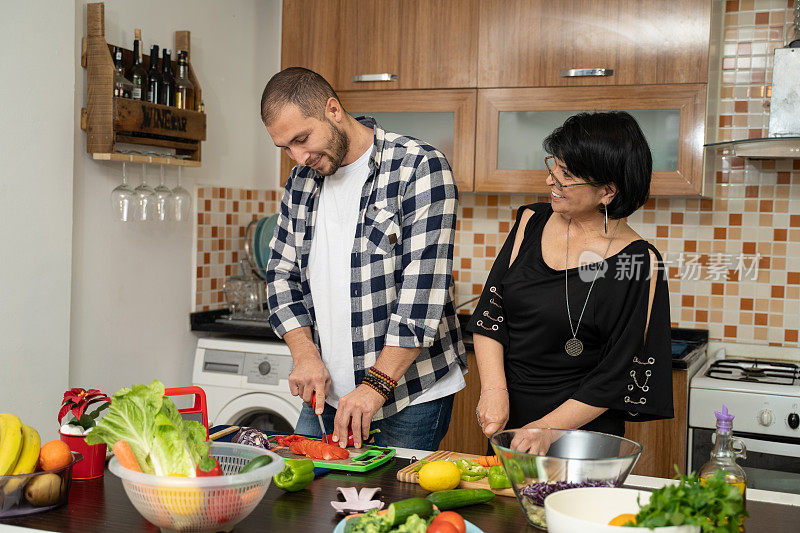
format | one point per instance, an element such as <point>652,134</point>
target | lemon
<point>439,475</point>
<point>623,519</point>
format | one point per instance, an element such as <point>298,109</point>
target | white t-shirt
<point>329,276</point>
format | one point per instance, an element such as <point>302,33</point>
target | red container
<point>94,457</point>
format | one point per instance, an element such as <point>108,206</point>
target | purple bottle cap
<point>724,419</point>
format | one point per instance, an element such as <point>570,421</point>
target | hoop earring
<point>605,219</point>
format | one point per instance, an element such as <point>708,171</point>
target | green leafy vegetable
<point>149,422</point>
<point>713,504</point>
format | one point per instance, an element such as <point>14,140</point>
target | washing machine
<point>247,383</point>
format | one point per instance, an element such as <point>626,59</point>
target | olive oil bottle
<point>723,457</point>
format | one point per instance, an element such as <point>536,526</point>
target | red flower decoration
<point>78,400</point>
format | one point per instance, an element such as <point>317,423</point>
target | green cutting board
<point>361,459</point>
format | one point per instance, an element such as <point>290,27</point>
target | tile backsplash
<point>733,260</point>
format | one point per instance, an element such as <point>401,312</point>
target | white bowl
<point>590,509</point>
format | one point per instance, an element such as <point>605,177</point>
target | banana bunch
<point>19,453</point>
<point>19,446</point>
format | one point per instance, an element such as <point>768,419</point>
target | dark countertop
<point>102,505</point>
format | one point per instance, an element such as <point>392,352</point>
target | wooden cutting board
<point>408,475</point>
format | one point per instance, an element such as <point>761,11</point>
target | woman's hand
<point>492,411</point>
<point>534,442</point>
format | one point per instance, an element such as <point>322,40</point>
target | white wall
<point>132,284</point>
<point>36,113</point>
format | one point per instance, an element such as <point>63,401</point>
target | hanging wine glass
<point>163,199</point>
<point>181,200</point>
<point>123,198</point>
<point>145,199</point>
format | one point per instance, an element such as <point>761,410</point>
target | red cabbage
<point>252,437</point>
<point>537,492</point>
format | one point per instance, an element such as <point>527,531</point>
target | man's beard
<point>338,144</point>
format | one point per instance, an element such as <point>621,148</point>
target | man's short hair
<point>299,86</point>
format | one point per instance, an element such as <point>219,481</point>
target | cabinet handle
<point>375,77</point>
<point>583,72</point>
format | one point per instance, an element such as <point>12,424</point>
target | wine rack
<point>109,120</point>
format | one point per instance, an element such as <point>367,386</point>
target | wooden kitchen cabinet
<point>664,441</point>
<point>512,123</point>
<point>427,44</point>
<point>528,43</point>
<point>310,31</point>
<point>464,434</point>
<point>444,118</point>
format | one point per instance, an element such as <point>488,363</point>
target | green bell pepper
<point>470,470</point>
<point>515,471</point>
<point>298,474</point>
<point>420,465</point>
<point>498,478</point>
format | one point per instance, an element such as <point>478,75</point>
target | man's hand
<point>309,374</point>
<point>355,411</point>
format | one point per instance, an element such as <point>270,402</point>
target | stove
<point>760,385</point>
<point>755,371</point>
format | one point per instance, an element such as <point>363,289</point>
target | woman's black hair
<point>606,148</point>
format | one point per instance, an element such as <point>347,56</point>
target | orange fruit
<point>623,519</point>
<point>54,454</point>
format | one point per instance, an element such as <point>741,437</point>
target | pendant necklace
<point>573,346</point>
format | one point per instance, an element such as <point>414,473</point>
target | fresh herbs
<point>713,504</point>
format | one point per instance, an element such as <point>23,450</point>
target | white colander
<point>202,503</point>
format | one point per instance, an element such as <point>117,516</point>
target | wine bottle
<point>138,74</point>
<point>167,94</point>
<point>154,77</point>
<point>122,85</point>
<point>184,88</point>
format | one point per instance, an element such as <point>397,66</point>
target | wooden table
<point>101,505</point>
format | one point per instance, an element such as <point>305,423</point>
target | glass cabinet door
<point>512,123</point>
<point>445,119</point>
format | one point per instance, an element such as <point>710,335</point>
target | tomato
<point>441,526</point>
<point>452,518</point>
<point>223,506</point>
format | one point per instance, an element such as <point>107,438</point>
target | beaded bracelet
<point>374,370</point>
<point>385,381</point>
<point>380,387</point>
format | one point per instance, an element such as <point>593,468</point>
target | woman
<point>572,329</point>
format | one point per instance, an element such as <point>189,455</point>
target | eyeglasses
<point>549,162</point>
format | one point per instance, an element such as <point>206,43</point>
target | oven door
<point>771,463</point>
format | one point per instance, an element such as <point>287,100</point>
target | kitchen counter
<point>101,505</point>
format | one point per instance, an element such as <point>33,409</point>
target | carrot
<point>124,454</point>
<point>488,461</point>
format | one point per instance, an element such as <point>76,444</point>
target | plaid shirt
<point>401,284</point>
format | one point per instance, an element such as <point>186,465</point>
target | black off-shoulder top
<point>523,307</point>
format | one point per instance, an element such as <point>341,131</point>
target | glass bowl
<point>38,492</point>
<point>566,459</point>
<point>202,504</point>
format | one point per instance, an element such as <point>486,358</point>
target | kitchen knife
<point>319,417</point>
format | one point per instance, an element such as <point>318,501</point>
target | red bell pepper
<point>207,467</point>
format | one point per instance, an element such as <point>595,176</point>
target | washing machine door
<point>267,412</point>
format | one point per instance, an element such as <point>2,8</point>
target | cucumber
<point>399,512</point>
<point>453,499</point>
<point>258,462</point>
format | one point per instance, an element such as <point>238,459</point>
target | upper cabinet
<point>546,43</point>
<point>384,44</point>
<point>310,32</point>
<point>512,123</point>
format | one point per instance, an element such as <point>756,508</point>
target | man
<point>359,278</point>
